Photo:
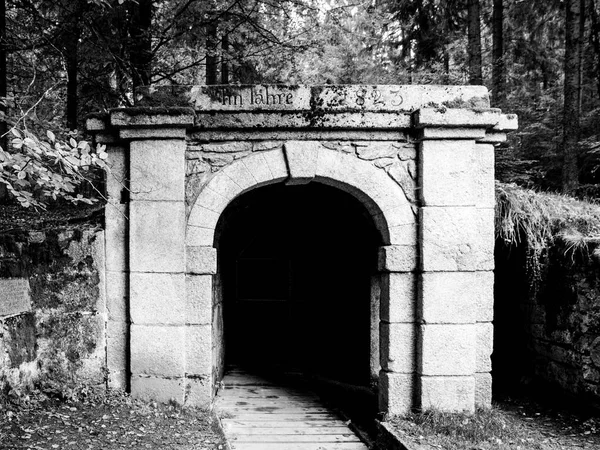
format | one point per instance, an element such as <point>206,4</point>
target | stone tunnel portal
<point>295,265</point>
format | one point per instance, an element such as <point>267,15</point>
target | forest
<point>61,60</point>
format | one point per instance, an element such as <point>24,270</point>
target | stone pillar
<point>116,248</point>
<point>456,252</point>
<point>397,328</point>
<point>156,249</point>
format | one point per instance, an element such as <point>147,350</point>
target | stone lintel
<point>268,120</point>
<point>450,133</point>
<point>457,117</point>
<point>152,133</point>
<point>327,98</point>
<point>507,122</point>
<point>301,158</point>
<point>492,137</point>
<point>152,117</point>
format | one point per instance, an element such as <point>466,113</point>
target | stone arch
<point>300,162</point>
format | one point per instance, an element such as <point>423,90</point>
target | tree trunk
<point>140,53</point>
<point>571,111</point>
<point>475,69</point>
<point>72,61</point>
<point>212,42</point>
<point>3,74</point>
<point>498,68</point>
<point>595,37</point>
<point>224,59</point>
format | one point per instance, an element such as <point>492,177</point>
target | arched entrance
<point>296,264</point>
<point>418,159</point>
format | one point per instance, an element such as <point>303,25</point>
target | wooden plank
<point>286,417</point>
<point>296,438</point>
<point>298,446</point>
<point>266,431</point>
<point>275,410</point>
<point>233,423</point>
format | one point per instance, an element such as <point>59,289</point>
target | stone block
<point>117,341</point>
<point>116,178</point>
<point>201,260</point>
<point>451,133</point>
<point>152,133</point>
<point>157,170</point>
<point>396,393</point>
<point>198,392</point>
<point>203,217</point>
<point>483,390</point>
<point>485,346</point>
<point>448,173</point>
<point>157,235</point>
<point>211,200</point>
<point>398,297</point>
<point>228,147</point>
<point>158,350</point>
<point>403,234</point>
<point>447,349</point>
<point>484,249</point>
<point>402,214</point>
<point>157,298</point>
<point>199,299</point>
<point>227,188</point>
<point>117,295</point>
<point>198,347</point>
<point>484,292</point>
<point>258,167</point>
<point>397,347</point>
<point>162,390</point>
<point>116,236</point>
<point>374,150</point>
<point>397,258</point>
<point>405,173</point>
<point>198,236</point>
<point>457,117</point>
<point>451,297</point>
<point>239,173</point>
<point>447,394</point>
<point>301,157</point>
<point>275,159</point>
<point>484,190</point>
<point>456,239</point>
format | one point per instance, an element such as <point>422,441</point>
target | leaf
<point>30,143</point>
<point>15,132</point>
<point>22,175</point>
<point>17,143</point>
<point>51,136</point>
<point>73,143</point>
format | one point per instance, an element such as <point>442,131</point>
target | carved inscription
<point>305,98</point>
<point>255,96</point>
<point>14,296</point>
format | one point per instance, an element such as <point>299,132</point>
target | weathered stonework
<point>419,159</point>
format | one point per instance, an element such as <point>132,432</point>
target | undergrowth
<point>541,221</point>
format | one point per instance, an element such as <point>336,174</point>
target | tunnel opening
<point>294,284</point>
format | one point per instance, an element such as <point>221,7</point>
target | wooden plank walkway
<point>259,414</point>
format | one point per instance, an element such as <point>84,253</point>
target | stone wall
<point>56,342</point>
<point>548,322</point>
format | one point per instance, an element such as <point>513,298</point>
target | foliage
<point>541,221</point>
<point>35,171</point>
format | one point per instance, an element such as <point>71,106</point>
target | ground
<point>116,421</point>
<point>109,422</point>
<point>512,424</point>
